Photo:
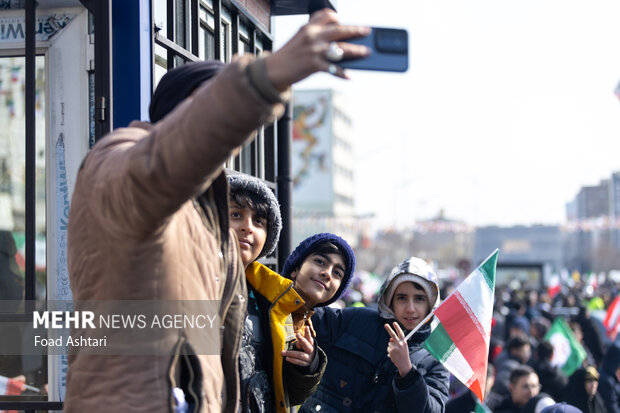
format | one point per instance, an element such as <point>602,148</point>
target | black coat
<point>575,394</point>
<point>465,403</point>
<point>507,406</point>
<point>552,380</point>
<point>608,386</point>
<point>360,377</point>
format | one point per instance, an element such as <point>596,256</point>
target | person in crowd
<point>552,380</point>
<point>517,325</point>
<point>538,403</point>
<point>582,391</point>
<point>277,314</point>
<point>578,333</point>
<point>532,310</point>
<point>467,401</point>
<point>371,366</point>
<point>517,352</point>
<point>592,336</point>
<point>149,219</point>
<point>523,386</point>
<point>609,380</point>
<point>538,328</point>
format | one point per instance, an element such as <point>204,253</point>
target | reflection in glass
<point>20,375</point>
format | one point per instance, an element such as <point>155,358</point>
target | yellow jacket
<point>284,301</point>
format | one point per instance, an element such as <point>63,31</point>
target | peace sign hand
<point>398,350</point>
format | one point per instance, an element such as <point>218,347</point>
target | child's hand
<point>398,350</point>
<point>305,349</point>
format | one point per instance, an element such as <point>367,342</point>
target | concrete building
<point>593,239</point>
<point>593,201</point>
<point>322,165</point>
<point>532,252</point>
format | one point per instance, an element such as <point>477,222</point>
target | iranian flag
<point>10,386</point>
<point>481,408</point>
<point>568,353</point>
<point>612,318</point>
<point>462,327</point>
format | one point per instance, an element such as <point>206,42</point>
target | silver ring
<point>332,69</point>
<point>334,52</point>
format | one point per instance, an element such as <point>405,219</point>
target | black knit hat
<point>308,245</point>
<point>178,84</point>
<point>247,183</point>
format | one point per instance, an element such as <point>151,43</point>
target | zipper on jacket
<point>171,371</point>
<point>190,383</point>
<point>173,363</point>
<point>375,378</point>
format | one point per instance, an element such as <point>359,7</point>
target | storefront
<point>91,67</point>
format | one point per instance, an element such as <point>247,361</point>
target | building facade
<point>322,167</point>
<point>593,238</point>
<point>531,253</point>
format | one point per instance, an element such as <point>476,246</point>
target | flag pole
<point>31,388</point>
<point>420,324</point>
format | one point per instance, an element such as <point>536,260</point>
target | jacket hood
<point>257,188</point>
<point>412,269</point>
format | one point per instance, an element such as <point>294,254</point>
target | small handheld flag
<point>462,327</point>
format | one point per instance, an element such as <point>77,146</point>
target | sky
<point>507,109</point>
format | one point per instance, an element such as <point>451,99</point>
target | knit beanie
<point>307,246</point>
<point>178,84</point>
<point>248,183</point>
<point>414,270</point>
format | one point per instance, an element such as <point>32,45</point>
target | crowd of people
<point>154,216</point>
<point>525,374</point>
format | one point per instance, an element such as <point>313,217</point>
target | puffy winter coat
<point>148,221</point>
<point>360,377</point>
<point>277,301</point>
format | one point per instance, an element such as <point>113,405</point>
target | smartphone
<point>389,51</point>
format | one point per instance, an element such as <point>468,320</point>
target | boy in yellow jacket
<point>280,365</point>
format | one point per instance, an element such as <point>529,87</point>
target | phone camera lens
<point>391,41</point>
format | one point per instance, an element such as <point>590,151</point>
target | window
<point>14,213</point>
<point>206,37</point>
<point>218,29</point>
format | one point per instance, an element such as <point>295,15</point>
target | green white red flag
<point>461,329</point>
<point>568,353</point>
<point>10,387</point>
<point>612,318</point>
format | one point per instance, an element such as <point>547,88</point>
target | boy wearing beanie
<point>280,366</point>
<point>371,365</point>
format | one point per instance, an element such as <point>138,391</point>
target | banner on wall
<point>312,150</point>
